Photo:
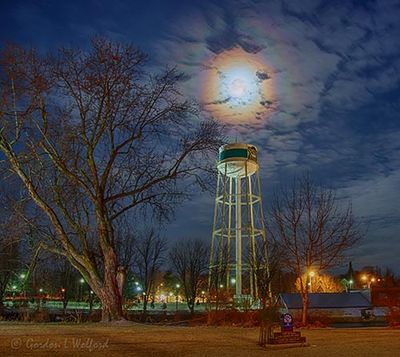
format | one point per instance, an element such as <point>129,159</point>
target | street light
<point>351,283</point>
<point>176,297</point>
<point>365,279</point>
<point>23,288</point>
<point>81,281</point>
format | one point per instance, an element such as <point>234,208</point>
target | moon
<point>236,86</point>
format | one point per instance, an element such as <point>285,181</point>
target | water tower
<point>238,230</point>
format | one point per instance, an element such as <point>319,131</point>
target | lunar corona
<point>236,85</point>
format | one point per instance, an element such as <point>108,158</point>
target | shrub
<point>319,319</point>
<point>232,317</point>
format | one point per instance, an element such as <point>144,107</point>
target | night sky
<point>325,96</point>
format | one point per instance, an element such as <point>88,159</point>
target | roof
<point>327,300</point>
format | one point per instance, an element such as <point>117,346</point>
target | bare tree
<point>265,267</point>
<point>150,254</point>
<point>312,229</point>
<point>217,277</point>
<point>9,263</point>
<point>190,261</point>
<point>66,278</point>
<point>12,231</point>
<point>91,135</point>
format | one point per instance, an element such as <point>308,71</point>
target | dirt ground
<point>19,339</point>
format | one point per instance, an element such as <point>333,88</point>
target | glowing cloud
<point>236,86</point>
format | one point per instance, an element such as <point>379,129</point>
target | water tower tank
<point>237,160</point>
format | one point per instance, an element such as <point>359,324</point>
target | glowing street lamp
<point>365,279</point>
<point>351,283</point>
<point>22,276</point>
<point>176,297</point>
<point>81,281</point>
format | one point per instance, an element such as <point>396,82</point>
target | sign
<point>286,335</point>
<point>287,322</point>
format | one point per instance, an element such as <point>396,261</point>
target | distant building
<point>351,304</point>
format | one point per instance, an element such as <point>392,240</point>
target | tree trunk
<point>121,279</point>
<point>304,315</point>
<point>109,293</point>
<point>111,304</point>
<point>145,299</point>
<point>65,304</point>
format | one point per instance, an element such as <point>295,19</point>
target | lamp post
<point>23,282</point>
<point>91,293</point>
<point>350,283</point>
<point>176,297</point>
<point>40,298</point>
<point>81,282</point>
<point>365,278</point>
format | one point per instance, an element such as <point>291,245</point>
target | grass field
<point>19,339</point>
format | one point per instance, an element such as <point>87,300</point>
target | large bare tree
<point>92,135</point>
<point>190,261</point>
<point>313,230</point>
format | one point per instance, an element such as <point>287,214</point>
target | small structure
<point>285,338</point>
<point>347,304</point>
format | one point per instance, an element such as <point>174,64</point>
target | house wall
<point>339,312</point>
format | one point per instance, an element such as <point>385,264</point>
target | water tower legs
<point>238,238</point>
